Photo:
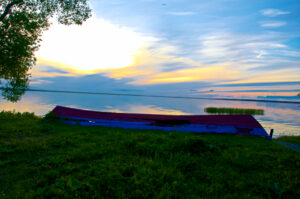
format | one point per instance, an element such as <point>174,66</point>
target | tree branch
<point>7,9</point>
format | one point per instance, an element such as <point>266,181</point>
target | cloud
<point>36,82</point>
<point>239,49</point>
<point>158,58</point>
<point>94,46</point>
<point>278,75</point>
<point>89,83</point>
<point>255,57</point>
<point>217,57</point>
<point>290,53</point>
<point>50,69</point>
<point>120,53</point>
<point>273,12</point>
<point>275,62</point>
<point>205,73</point>
<point>272,24</point>
<point>182,13</point>
<point>261,53</point>
<point>258,84</point>
<point>103,84</point>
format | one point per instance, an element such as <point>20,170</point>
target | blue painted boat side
<point>196,128</point>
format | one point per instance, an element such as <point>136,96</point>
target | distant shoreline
<point>162,96</point>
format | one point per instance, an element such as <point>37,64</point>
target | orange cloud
<point>143,64</point>
<point>270,76</point>
<point>208,73</point>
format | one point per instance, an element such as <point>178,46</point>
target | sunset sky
<point>245,48</point>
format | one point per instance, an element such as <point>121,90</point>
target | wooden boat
<point>234,124</point>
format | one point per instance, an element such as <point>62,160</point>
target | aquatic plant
<point>231,111</point>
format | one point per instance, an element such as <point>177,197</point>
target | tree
<point>22,23</point>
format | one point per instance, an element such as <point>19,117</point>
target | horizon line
<point>160,96</point>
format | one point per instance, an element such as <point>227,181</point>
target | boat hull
<point>233,124</point>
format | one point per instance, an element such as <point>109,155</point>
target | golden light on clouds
<point>118,52</point>
<point>282,75</point>
<point>207,73</point>
<point>92,47</point>
<point>144,63</point>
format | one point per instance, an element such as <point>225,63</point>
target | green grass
<point>222,110</point>
<point>45,159</point>
<point>290,139</point>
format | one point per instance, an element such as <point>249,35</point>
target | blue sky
<point>178,46</point>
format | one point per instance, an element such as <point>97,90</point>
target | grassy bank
<point>40,159</point>
<point>222,110</point>
<point>290,139</point>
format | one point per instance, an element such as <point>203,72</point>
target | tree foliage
<point>22,23</point>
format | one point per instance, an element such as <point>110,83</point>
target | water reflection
<point>151,109</point>
<point>284,118</point>
<point>27,104</point>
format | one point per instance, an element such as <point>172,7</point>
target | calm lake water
<point>284,118</point>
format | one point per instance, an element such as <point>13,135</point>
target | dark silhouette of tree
<point>22,23</point>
